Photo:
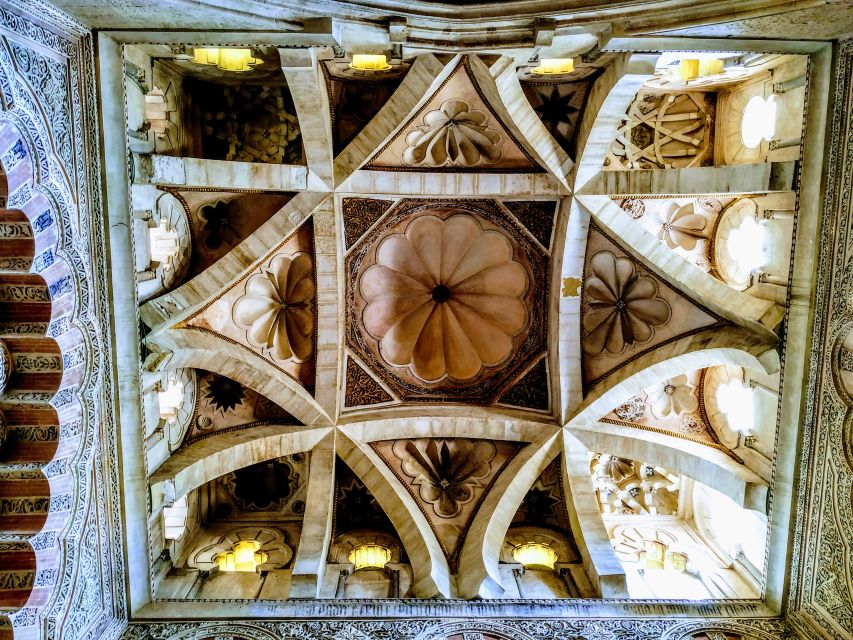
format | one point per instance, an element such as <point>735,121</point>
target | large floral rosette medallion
<point>623,306</point>
<point>277,310</point>
<point>448,473</point>
<point>445,298</point>
<point>455,135</point>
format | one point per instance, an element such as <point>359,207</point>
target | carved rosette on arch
<point>446,300</point>
<point>627,310</point>
<point>271,310</point>
<point>277,309</point>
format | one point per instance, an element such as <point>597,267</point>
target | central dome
<point>445,297</point>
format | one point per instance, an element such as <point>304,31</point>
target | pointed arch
<point>184,301</point>
<point>208,459</point>
<point>193,349</point>
<point>735,306</point>
<point>430,568</point>
<point>726,345</point>
<point>692,459</point>
<point>603,131</point>
<point>478,563</point>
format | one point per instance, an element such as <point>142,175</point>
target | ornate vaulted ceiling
<point>483,309</point>
<point>503,333</point>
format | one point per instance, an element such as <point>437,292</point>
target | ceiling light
<point>710,66</point>
<point>738,403</point>
<point>370,62</point>
<point>226,59</point>
<point>170,399</point>
<point>370,556</point>
<point>244,556</point>
<point>164,244</point>
<point>554,66</point>
<point>206,55</point>
<point>535,555</point>
<point>759,121</point>
<point>688,69</point>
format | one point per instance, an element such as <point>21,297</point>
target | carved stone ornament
<point>431,627</point>
<point>453,134</point>
<point>446,472</point>
<point>277,309</point>
<point>681,227</point>
<point>674,396</point>
<point>5,366</point>
<point>445,298</point>
<point>624,305</point>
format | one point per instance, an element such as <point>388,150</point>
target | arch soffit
<point>505,94</point>
<point>602,566</point>
<point>201,350</point>
<point>605,125</point>
<point>478,561</point>
<point>414,91</point>
<point>712,347</point>
<point>180,304</point>
<point>213,457</point>
<point>736,306</point>
<point>694,460</point>
<point>429,565</point>
<point>487,428</point>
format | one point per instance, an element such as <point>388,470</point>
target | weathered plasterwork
<point>48,82</point>
<point>822,562</point>
<point>542,629</point>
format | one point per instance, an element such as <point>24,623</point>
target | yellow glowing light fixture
<point>370,62</point>
<point>206,55</point>
<point>688,69</point>
<point>711,66</point>
<point>675,561</point>
<point>654,554</point>
<point>657,557</point>
<point>245,556</point>
<point>226,59</point>
<point>535,555</point>
<point>554,66</point>
<point>370,556</point>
